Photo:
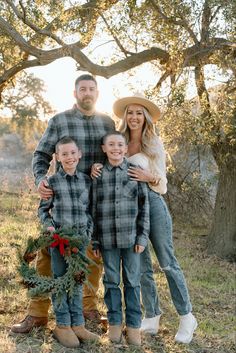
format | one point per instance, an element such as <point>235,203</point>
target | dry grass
<point>211,283</point>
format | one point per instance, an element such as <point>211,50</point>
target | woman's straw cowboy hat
<point>120,105</point>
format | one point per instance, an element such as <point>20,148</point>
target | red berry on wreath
<point>75,250</point>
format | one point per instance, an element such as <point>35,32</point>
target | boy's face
<point>69,156</point>
<point>115,148</point>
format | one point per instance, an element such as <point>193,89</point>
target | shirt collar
<point>64,174</point>
<point>122,166</point>
<point>82,115</point>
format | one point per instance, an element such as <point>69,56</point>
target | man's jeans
<point>113,259</point>
<point>161,239</point>
<point>39,306</point>
<point>68,311</point>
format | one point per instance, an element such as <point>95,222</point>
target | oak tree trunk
<point>222,237</point>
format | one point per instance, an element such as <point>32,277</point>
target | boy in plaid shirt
<point>68,207</point>
<point>120,211</point>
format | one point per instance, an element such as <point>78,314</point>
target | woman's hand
<point>139,174</point>
<point>96,170</point>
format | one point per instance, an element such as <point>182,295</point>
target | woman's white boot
<point>187,326</point>
<point>151,325</point>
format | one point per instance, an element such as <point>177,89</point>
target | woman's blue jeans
<point>161,240</point>
<point>114,260</point>
<point>69,311</point>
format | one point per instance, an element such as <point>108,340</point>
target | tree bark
<point>222,237</point>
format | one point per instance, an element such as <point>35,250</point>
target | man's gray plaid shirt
<point>87,131</point>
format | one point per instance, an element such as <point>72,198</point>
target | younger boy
<point>120,210</point>
<point>68,207</point>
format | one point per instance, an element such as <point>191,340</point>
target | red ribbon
<point>59,242</point>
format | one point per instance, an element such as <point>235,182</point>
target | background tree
<point>27,108</point>
<point>180,38</point>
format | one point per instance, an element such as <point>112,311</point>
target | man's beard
<point>86,105</point>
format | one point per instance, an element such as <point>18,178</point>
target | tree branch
<point>73,51</point>
<point>20,41</point>
<point>192,55</point>
<point>205,24</point>
<point>23,18</point>
<point>214,14</point>
<point>171,20</point>
<point>120,46</point>
<point>123,65</point>
<point>74,13</point>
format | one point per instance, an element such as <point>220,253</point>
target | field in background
<point>211,283</point>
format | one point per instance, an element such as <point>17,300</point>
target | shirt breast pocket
<point>82,197</point>
<point>130,189</point>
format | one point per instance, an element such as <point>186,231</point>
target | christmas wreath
<point>71,247</point>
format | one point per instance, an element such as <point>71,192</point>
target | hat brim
<point>120,105</point>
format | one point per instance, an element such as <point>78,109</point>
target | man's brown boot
<point>133,336</point>
<point>29,322</point>
<point>83,334</point>
<point>115,333</point>
<point>66,336</point>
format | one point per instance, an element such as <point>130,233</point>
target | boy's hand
<point>97,253</point>
<point>44,191</point>
<point>96,170</point>
<point>49,231</point>
<point>139,248</point>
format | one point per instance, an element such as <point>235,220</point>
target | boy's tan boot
<point>83,334</point>
<point>66,336</point>
<point>115,333</point>
<point>133,336</point>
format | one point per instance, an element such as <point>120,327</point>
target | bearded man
<point>86,126</point>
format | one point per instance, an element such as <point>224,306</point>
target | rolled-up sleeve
<point>44,152</point>
<point>158,168</point>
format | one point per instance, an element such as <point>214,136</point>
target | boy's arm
<point>44,212</point>
<point>95,240</point>
<point>90,224</point>
<point>143,221</point>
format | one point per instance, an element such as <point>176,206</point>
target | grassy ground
<point>211,284</point>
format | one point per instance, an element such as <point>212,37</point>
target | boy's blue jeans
<point>69,312</point>
<point>161,240</point>
<point>114,260</point>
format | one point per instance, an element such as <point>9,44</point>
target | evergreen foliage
<point>75,258</point>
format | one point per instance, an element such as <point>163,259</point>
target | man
<point>86,127</point>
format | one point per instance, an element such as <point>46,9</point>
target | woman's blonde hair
<point>151,144</point>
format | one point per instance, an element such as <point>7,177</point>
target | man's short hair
<point>64,141</point>
<point>111,133</point>
<point>85,77</point>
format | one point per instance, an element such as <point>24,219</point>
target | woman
<point>145,150</point>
